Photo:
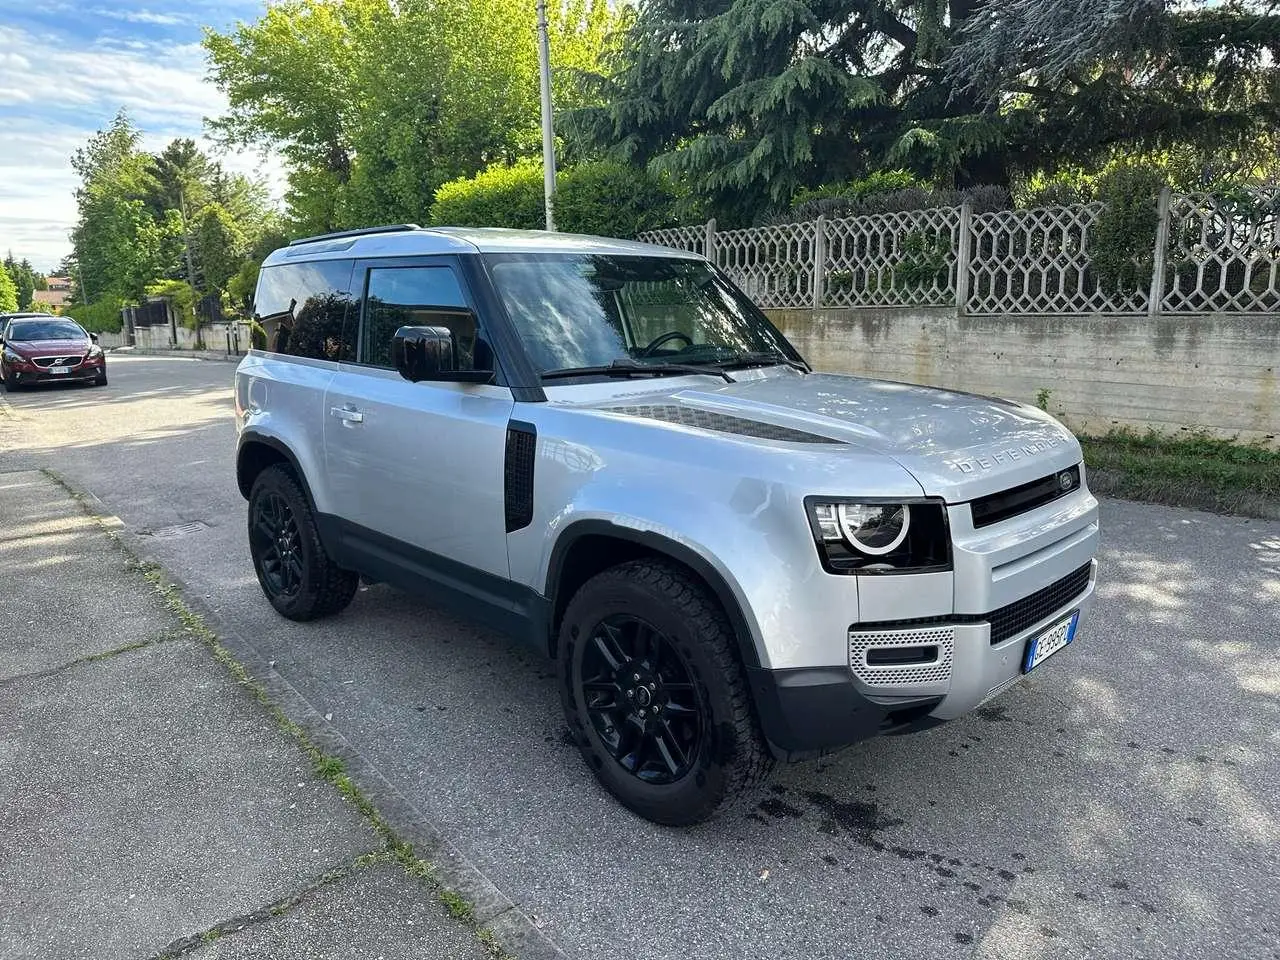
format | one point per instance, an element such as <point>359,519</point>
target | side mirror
<point>93,337</point>
<point>429,353</point>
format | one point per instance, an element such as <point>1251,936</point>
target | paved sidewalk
<point>149,804</point>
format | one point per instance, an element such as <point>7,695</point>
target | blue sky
<point>67,67</point>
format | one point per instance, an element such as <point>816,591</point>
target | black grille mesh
<point>720,423</point>
<point>522,443</point>
<point>1011,619</point>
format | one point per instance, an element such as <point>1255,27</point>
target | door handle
<point>346,414</point>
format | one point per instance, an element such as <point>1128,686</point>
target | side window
<point>302,308</point>
<point>417,297</point>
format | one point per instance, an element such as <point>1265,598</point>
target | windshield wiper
<point>629,368</point>
<point>761,358</point>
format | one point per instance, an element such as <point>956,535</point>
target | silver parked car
<point>606,449</point>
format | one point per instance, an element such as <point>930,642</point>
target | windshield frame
<point>726,288</point>
<point>16,323</point>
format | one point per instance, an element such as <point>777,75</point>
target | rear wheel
<point>294,571</point>
<point>655,696</point>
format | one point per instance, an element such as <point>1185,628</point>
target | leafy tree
<point>376,103</point>
<point>24,279</point>
<point>221,243</point>
<point>119,246</point>
<point>751,100</point>
<point>8,293</point>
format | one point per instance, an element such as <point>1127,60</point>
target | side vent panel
<point>517,475</point>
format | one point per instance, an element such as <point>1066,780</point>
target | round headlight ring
<point>851,532</point>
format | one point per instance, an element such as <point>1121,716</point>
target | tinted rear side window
<point>303,307</point>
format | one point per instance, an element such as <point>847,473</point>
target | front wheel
<point>655,696</point>
<point>101,379</point>
<point>294,570</point>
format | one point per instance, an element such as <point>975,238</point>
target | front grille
<point>1009,503</point>
<point>1011,619</point>
<point>47,362</point>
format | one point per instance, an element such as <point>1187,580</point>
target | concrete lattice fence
<point>1207,254</point>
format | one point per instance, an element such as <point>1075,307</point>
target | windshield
<point>45,330</point>
<point>584,310</point>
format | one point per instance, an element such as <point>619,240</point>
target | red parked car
<point>43,349</point>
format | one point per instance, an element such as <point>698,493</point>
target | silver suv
<point>605,449</point>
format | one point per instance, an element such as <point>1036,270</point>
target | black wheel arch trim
<point>249,437</point>
<point>662,545</point>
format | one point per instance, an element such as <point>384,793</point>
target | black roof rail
<point>388,228</point>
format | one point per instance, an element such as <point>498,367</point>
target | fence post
<point>819,262</point>
<point>1161,253</point>
<point>709,241</point>
<point>963,256</point>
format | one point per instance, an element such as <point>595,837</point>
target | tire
<point>101,379</point>
<point>656,621</point>
<point>10,385</point>
<point>295,573</point>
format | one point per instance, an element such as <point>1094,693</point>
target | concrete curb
<point>512,929</point>
<point>188,354</point>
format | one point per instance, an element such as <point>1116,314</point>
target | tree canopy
<point>750,100</point>
<point>145,218</point>
<point>377,103</point>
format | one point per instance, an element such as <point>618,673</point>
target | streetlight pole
<point>548,131</point>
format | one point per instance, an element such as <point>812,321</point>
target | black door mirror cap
<point>429,354</point>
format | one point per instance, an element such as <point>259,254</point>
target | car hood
<point>957,445</point>
<point>46,348</point>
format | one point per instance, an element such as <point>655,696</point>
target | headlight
<point>94,351</point>
<point>858,536</point>
<point>11,356</point>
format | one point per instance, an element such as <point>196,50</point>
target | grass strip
<point>1189,469</point>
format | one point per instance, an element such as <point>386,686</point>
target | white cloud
<point>140,16</point>
<point>51,111</point>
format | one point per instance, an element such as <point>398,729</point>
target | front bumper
<point>806,711</point>
<point>29,374</point>
<point>878,654</point>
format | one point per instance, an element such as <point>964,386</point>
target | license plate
<point>1041,648</point>
<point>59,369</point>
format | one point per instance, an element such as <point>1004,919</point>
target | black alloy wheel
<point>276,541</point>
<point>655,695</point>
<point>641,699</point>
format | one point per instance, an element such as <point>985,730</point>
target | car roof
<point>407,240</point>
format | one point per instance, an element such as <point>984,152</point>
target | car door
<point>417,468</point>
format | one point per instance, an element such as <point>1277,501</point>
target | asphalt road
<point>1124,801</point>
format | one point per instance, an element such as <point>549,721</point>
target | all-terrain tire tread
<point>335,587</point>
<point>687,595</point>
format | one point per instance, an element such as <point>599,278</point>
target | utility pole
<point>548,131</point>
<point>191,270</point>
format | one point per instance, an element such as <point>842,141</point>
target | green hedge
<point>603,198</point>
<point>100,317</point>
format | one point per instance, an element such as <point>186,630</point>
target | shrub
<point>498,196</point>
<point>612,200</point>
<point>881,181</point>
<point>100,317</point>
<point>601,197</point>
<point>1123,238</point>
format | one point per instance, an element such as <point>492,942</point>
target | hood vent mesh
<point>720,423</point>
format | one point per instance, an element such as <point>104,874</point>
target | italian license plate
<point>59,369</point>
<point>1041,648</point>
